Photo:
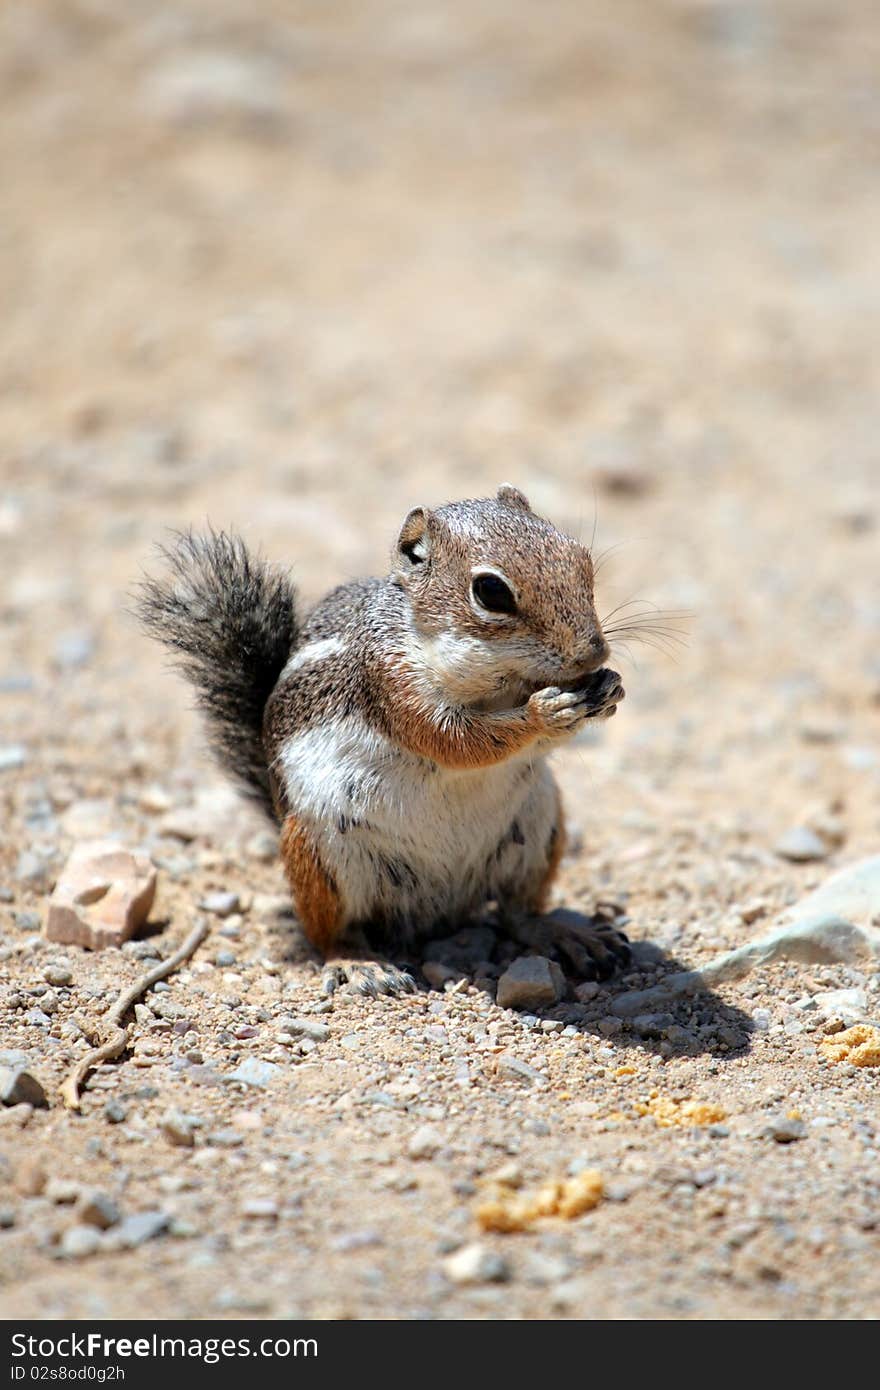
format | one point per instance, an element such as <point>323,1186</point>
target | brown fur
<point>463,738</point>
<point>315,897</point>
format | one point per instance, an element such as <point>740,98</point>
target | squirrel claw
<point>370,978</point>
<point>592,947</point>
<point>595,951</point>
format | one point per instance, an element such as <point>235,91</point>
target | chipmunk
<point>399,734</point>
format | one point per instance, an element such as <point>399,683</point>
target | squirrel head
<point>501,601</point>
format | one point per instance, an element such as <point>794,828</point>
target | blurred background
<point>299,267</point>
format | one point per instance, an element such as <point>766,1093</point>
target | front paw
<point>563,711</point>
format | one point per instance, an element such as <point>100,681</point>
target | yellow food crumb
<point>860,1046</point>
<point>625,1071</point>
<point>567,1197</point>
<point>667,1112</point>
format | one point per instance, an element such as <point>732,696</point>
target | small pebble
<point>97,1209</point>
<point>58,973</point>
<point>801,845</point>
<point>425,1142</point>
<point>62,1191</point>
<point>12,755</point>
<point>304,1027</point>
<point>140,1227</point>
<point>79,1241</point>
<point>178,1128</point>
<point>260,1208</point>
<point>785,1130</point>
<point>220,904</point>
<point>33,871</point>
<point>530,982</point>
<point>18,1086</point>
<point>476,1264</point>
<point>253,1072</point>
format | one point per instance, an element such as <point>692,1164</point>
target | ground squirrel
<point>400,732</point>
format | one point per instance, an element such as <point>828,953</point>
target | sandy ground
<point>297,269</point>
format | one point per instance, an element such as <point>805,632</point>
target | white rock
<point>103,896</point>
<point>12,755</point>
<point>63,1192</point>
<point>801,845</point>
<point>218,815</point>
<point>305,1028</point>
<point>253,1072</point>
<point>256,1208</point>
<point>221,904</point>
<point>79,1241</point>
<point>178,1128</point>
<point>822,928</point>
<point>476,1264</point>
<point>849,1005</point>
<point>207,87</point>
<point>425,1142</point>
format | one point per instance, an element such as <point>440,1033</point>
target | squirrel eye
<point>493,594</point>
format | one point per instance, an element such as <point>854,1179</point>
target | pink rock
<point>104,894</point>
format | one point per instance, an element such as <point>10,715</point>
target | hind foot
<point>368,977</point>
<point>591,946</point>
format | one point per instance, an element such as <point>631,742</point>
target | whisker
<point>648,607</point>
<point>675,634</point>
<point>599,560</point>
<point>624,647</point>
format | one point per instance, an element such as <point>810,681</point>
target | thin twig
<point>118,1041</point>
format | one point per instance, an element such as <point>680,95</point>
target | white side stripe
<point>314,651</point>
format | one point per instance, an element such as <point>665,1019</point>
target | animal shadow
<point>698,1023</point>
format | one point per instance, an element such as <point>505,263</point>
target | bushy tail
<point>230,620</point>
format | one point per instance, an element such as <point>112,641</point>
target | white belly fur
<point>368,804</point>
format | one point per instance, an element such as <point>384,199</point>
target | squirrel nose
<point>593,653</point>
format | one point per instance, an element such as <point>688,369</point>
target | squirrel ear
<point>512,497</point>
<point>413,543</point>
